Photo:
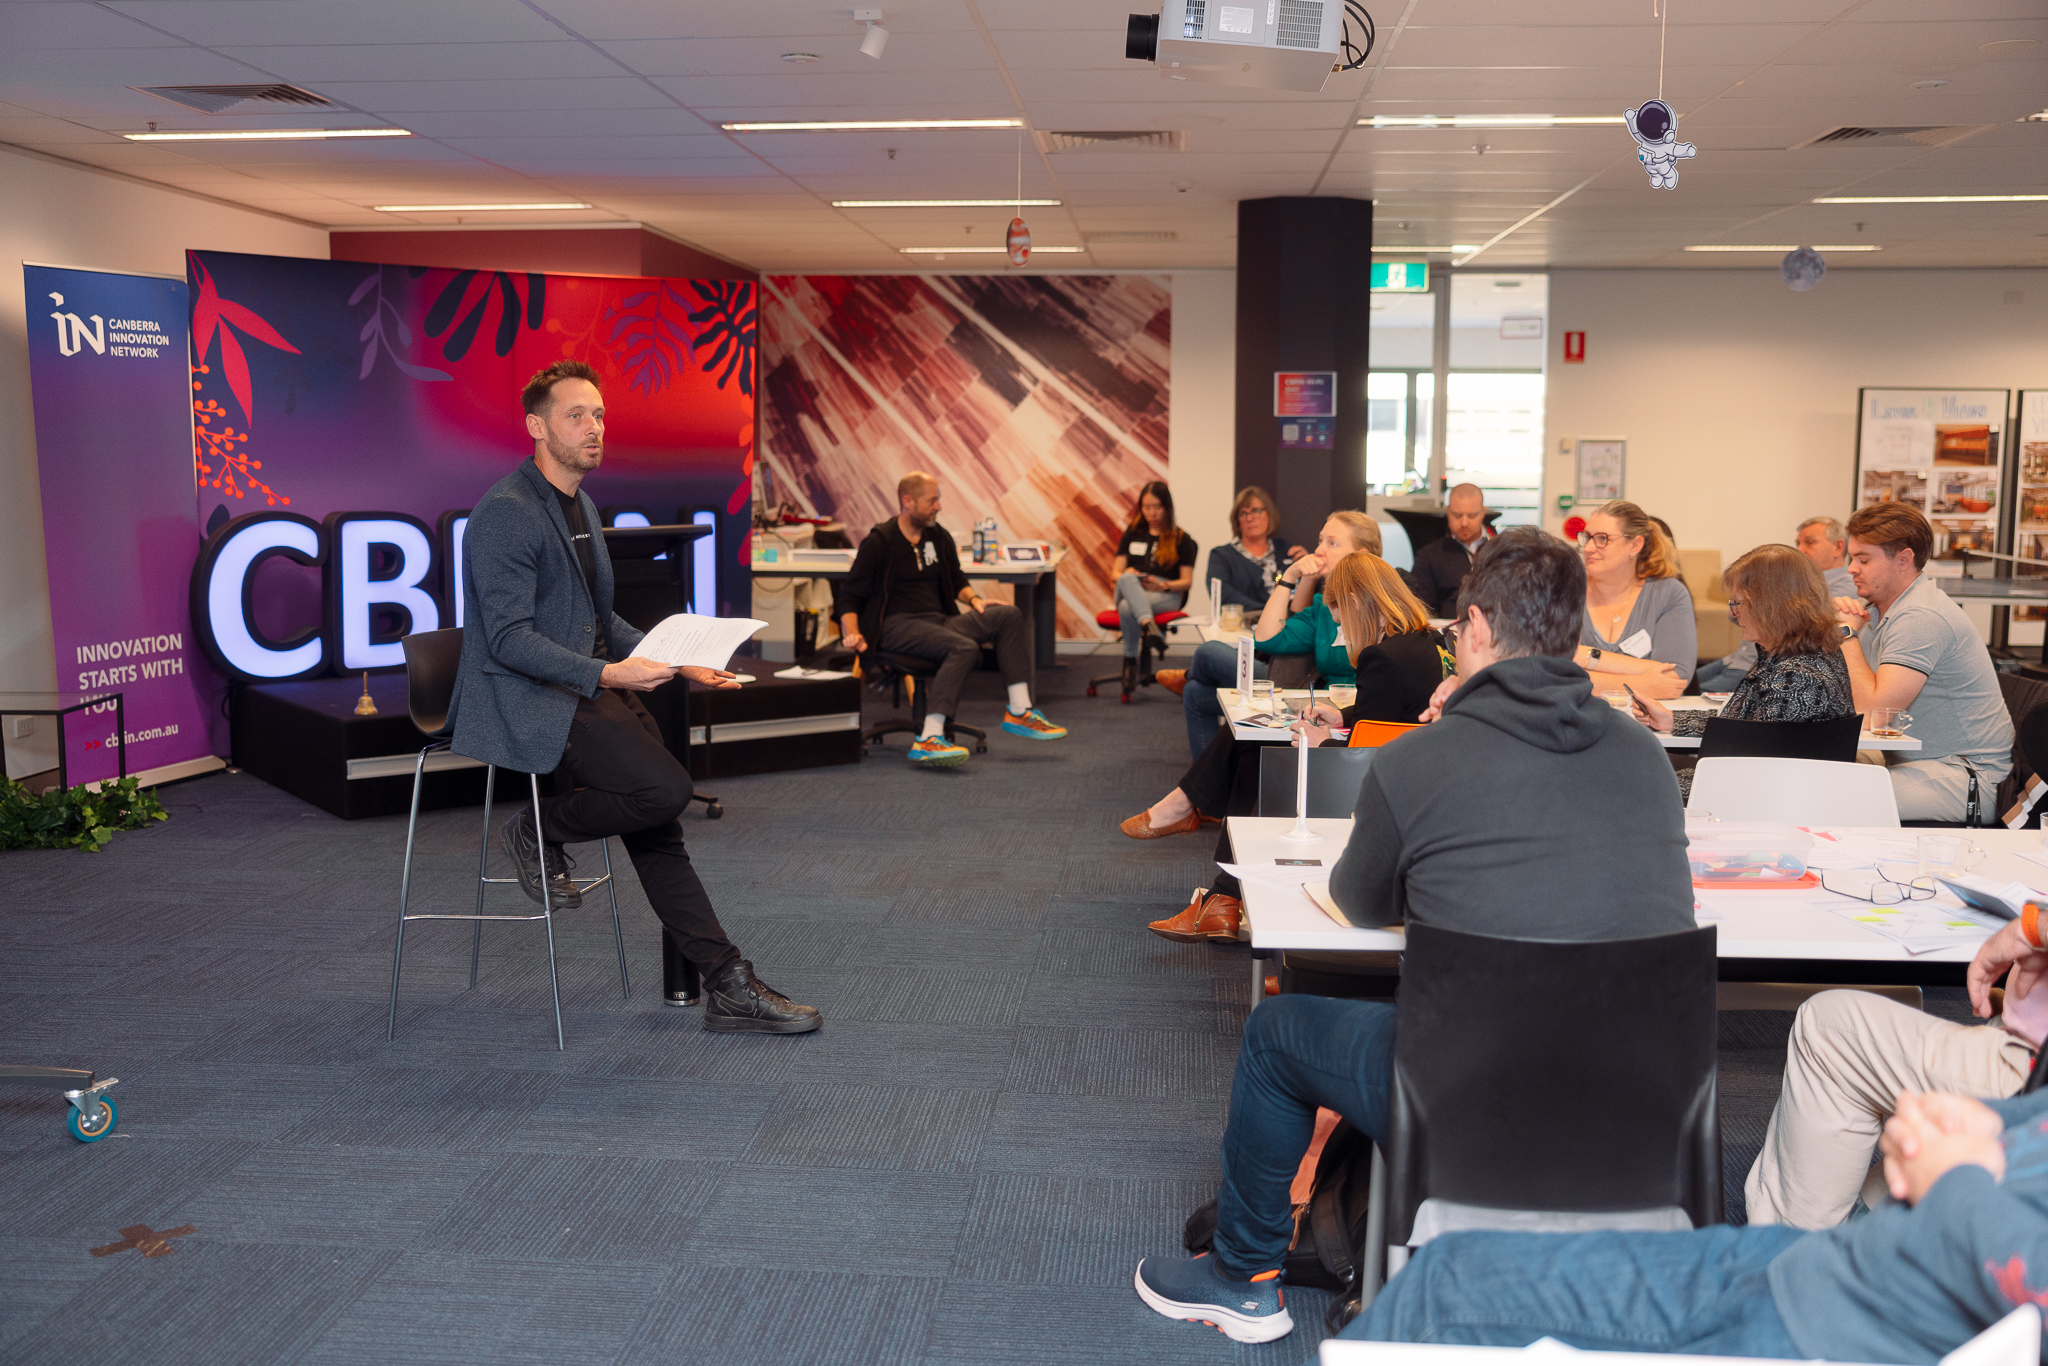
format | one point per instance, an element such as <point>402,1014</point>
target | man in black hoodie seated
<point>1488,854</point>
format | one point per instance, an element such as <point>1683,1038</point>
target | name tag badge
<point>1637,644</point>
<point>930,553</point>
<point>1137,550</point>
<point>1338,640</point>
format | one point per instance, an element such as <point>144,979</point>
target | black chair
<point>1334,777</point>
<point>1519,1087</point>
<point>2026,700</point>
<point>1833,740</point>
<point>431,661</point>
<point>903,677</point>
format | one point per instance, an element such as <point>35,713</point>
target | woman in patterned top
<point>1781,602</point>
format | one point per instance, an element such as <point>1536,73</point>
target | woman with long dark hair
<point>1155,564</point>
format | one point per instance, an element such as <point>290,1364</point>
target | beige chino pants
<point>1850,1055</point>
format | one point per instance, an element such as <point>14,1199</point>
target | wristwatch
<point>1593,652</point>
<point>1848,631</point>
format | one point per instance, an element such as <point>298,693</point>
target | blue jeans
<point>1703,1292</point>
<point>1299,1052</point>
<point>1214,666</point>
<point>1134,604</point>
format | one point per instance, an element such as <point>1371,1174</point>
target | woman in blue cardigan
<point>1256,554</point>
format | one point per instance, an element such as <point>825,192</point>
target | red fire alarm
<point>1573,526</point>
<point>1574,348</point>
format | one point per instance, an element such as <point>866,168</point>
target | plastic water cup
<point>1231,618</point>
<point>1616,698</point>
<point>1945,855</point>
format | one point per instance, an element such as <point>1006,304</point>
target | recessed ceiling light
<point>800,57</point>
<point>866,125</point>
<point>1935,84</point>
<point>2041,117</point>
<point>1785,248</point>
<point>985,251</point>
<point>268,135</point>
<point>1931,198</point>
<point>474,208</point>
<point>2008,47</point>
<point>1418,251</point>
<point>1487,120</point>
<point>943,203</point>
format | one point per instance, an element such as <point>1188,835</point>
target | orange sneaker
<point>1174,681</point>
<point>1140,827</point>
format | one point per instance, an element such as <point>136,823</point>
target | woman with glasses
<point>1257,552</point>
<point>1385,637</point>
<point>1781,603</point>
<point>1639,628</point>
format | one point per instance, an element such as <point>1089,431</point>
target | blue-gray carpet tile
<point>1017,1093</point>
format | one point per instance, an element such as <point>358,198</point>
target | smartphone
<point>1634,699</point>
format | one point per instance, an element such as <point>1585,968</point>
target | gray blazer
<point>527,625</point>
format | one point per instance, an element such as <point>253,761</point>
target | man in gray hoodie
<point>1490,856</point>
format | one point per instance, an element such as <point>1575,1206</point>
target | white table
<point>1764,928</point>
<point>1864,741</point>
<point>1236,708</point>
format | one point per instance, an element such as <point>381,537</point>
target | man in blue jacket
<point>548,682</point>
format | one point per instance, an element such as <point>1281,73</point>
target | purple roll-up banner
<point>112,388</point>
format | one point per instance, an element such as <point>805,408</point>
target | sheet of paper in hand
<point>702,642</point>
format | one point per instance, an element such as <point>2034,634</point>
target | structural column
<point>1304,277</point>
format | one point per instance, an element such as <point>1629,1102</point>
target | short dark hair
<point>1532,588</point>
<point>539,394</point>
<point>1892,527</point>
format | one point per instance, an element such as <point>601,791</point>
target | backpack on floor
<point>1329,1230</point>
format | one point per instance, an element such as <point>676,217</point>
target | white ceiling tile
<point>637,19</point>
<point>910,56</point>
<point>280,23</point>
<point>398,98</point>
<point>310,65</point>
<point>79,25</point>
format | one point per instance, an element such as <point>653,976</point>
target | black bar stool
<point>431,661</point>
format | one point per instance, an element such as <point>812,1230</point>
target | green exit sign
<point>1400,277</point>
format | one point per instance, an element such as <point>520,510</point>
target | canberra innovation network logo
<point>137,337</point>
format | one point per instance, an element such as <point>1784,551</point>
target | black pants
<point>955,642</point>
<point>618,778</point>
<point>1222,782</point>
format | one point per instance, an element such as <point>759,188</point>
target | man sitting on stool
<point>904,595</point>
<point>546,685</point>
<point>1917,649</point>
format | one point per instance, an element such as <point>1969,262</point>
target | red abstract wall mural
<point>1040,399</point>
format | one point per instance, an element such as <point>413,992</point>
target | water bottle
<point>989,536</point>
<point>980,539</point>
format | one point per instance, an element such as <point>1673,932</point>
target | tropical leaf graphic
<point>499,284</point>
<point>375,339</point>
<point>727,329</point>
<point>213,315</point>
<point>647,343</point>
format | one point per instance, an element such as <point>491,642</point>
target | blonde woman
<point>1639,629</point>
<point>1394,655</point>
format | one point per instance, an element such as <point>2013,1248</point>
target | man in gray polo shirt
<point>1924,655</point>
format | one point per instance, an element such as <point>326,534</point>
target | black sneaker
<point>516,835</point>
<point>741,1003</point>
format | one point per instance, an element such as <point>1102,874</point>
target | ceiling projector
<point>1274,44</point>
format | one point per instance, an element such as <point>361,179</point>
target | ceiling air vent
<point>1137,140</point>
<point>1133,235</point>
<point>1852,136</point>
<point>220,99</point>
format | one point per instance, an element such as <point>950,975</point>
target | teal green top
<point>1313,630</point>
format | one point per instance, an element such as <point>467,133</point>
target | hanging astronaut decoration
<point>1655,129</point>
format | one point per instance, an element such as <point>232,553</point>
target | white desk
<point>1236,708</point>
<point>1774,926</point>
<point>1218,635</point>
<point>1865,741</point>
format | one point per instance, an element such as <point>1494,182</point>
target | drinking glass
<point>1887,723</point>
<point>1231,617</point>
<point>1262,694</point>
<point>1342,697</point>
<point>1617,698</point>
<point>1946,855</point>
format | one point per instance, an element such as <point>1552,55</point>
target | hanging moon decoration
<point>1802,269</point>
<point>1018,240</point>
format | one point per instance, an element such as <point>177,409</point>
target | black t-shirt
<point>914,580</point>
<point>1140,549</point>
<point>586,557</point>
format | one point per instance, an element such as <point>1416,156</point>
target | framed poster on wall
<point>1940,450</point>
<point>2030,497</point>
<point>1603,468</point>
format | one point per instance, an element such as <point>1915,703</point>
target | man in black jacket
<point>1441,566</point>
<point>1479,857</point>
<point>904,596</point>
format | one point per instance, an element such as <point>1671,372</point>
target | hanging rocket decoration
<point>1655,129</point>
<point>1018,241</point>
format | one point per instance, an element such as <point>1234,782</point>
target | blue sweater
<point>1243,582</point>
<point>1911,1285</point>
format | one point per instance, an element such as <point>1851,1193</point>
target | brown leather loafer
<point>1174,681</point>
<point>1140,827</point>
<point>1208,916</point>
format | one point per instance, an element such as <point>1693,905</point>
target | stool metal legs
<point>547,912</point>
